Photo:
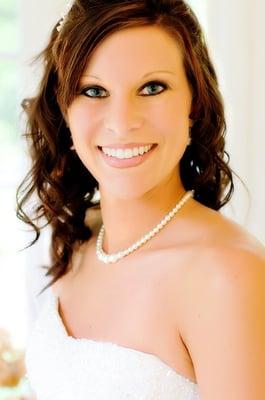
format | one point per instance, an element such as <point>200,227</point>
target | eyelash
<point>158,83</point>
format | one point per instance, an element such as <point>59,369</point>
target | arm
<point>224,325</point>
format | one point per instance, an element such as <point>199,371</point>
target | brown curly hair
<point>62,199</point>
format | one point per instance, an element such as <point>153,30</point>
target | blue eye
<point>156,83</point>
<point>97,89</point>
<point>89,89</point>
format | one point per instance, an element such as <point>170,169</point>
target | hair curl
<point>62,199</point>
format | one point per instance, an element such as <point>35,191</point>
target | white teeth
<point>135,151</point>
<point>126,153</point>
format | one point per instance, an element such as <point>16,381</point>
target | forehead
<point>133,52</point>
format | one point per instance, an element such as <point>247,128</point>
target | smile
<point>124,158</point>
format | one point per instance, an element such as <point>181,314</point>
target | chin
<point>126,190</point>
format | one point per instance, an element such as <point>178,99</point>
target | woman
<point>138,308</point>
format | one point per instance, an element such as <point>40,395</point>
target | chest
<point>135,306</point>
<point>131,302</point>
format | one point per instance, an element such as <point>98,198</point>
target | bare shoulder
<point>220,250</point>
<point>223,252</point>
<point>229,269</point>
<point>223,320</point>
<point>214,228</point>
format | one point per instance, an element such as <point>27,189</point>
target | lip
<point>126,146</point>
<point>126,162</point>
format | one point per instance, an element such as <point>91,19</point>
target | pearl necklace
<point>112,258</point>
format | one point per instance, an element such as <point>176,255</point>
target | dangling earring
<point>73,146</point>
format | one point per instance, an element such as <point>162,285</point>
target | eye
<point>152,84</point>
<point>90,89</point>
<point>98,89</point>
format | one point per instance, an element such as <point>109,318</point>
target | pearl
<point>112,258</point>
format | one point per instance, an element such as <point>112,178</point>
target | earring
<point>73,146</point>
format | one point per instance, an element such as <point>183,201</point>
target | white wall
<point>236,39</point>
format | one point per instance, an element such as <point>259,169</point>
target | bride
<point>154,294</point>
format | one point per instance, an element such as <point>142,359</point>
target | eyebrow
<point>148,73</point>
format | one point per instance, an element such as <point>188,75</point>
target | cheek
<point>81,121</point>
<point>180,107</point>
<point>172,120</point>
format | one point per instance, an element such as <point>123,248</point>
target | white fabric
<point>60,367</point>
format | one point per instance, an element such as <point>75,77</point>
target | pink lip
<point>125,146</point>
<point>127,162</point>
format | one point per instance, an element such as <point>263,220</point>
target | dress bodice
<point>60,367</point>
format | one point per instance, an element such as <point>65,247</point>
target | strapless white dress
<point>60,367</point>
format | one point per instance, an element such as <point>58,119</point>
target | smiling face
<point>125,101</point>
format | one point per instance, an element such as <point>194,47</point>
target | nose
<point>122,117</point>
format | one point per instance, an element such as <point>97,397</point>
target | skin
<point>200,283</point>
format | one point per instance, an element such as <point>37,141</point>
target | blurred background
<point>235,37</point>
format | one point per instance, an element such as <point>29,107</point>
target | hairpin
<point>64,14</point>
